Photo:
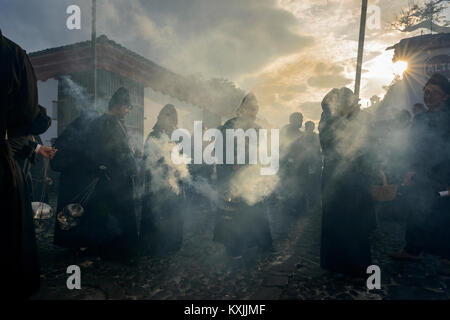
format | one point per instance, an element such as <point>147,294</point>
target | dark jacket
<point>430,156</point>
<point>18,109</point>
<point>430,138</point>
<point>76,174</point>
<point>23,144</point>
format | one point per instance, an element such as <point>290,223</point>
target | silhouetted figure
<point>429,221</point>
<point>162,219</point>
<point>311,167</point>
<point>26,146</point>
<point>240,225</point>
<point>291,132</point>
<point>112,208</point>
<point>348,213</point>
<point>419,108</point>
<point>77,172</point>
<point>40,182</point>
<point>291,165</point>
<point>19,107</point>
<point>198,201</point>
<point>392,154</point>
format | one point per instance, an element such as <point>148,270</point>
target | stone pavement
<point>300,276</point>
<point>202,270</point>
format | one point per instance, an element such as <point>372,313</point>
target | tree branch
<point>426,25</point>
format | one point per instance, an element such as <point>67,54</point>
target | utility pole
<point>94,55</point>
<point>362,33</point>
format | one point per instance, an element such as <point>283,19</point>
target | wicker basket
<point>386,192</point>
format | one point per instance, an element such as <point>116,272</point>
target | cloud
<point>300,88</point>
<point>328,76</point>
<point>311,110</point>
<point>323,68</point>
<point>215,38</point>
<point>287,51</point>
<point>329,81</point>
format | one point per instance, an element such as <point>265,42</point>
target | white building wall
<point>48,95</point>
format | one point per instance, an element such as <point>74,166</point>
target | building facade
<point>65,85</point>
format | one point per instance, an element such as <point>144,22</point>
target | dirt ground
<point>202,270</point>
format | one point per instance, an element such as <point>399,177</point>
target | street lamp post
<point>362,33</point>
<point>94,55</point>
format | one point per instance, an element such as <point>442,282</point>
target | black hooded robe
<point>23,142</point>
<point>76,174</point>
<point>347,205</point>
<point>162,222</point>
<point>429,220</point>
<point>18,108</point>
<point>244,226</point>
<point>111,211</point>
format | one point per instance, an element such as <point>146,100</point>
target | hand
<point>47,152</point>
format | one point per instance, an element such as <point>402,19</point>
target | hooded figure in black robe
<point>291,132</point>
<point>348,211</point>
<point>24,142</point>
<point>162,221</point>
<point>111,211</point>
<point>76,174</point>
<point>428,221</point>
<point>311,166</point>
<point>18,108</point>
<point>239,225</point>
<point>291,176</point>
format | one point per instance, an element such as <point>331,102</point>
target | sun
<point>383,69</point>
<point>400,67</point>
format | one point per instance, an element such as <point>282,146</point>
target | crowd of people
<point>370,162</point>
<point>344,171</point>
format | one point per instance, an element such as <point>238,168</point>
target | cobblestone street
<point>202,269</point>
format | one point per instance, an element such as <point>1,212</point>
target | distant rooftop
<point>101,40</point>
<point>420,43</point>
<point>111,56</point>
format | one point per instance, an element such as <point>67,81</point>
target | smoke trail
<point>72,89</point>
<point>169,176</point>
<point>165,174</point>
<point>251,186</point>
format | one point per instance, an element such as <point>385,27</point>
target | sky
<point>290,53</point>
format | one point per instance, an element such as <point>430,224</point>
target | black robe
<point>239,225</point>
<point>23,141</point>
<point>429,219</point>
<point>162,220</point>
<point>292,175</point>
<point>348,211</point>
<point>18,108</point>
<point>310,169</point>
<point>111,211</point>
<point>76,174</point>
